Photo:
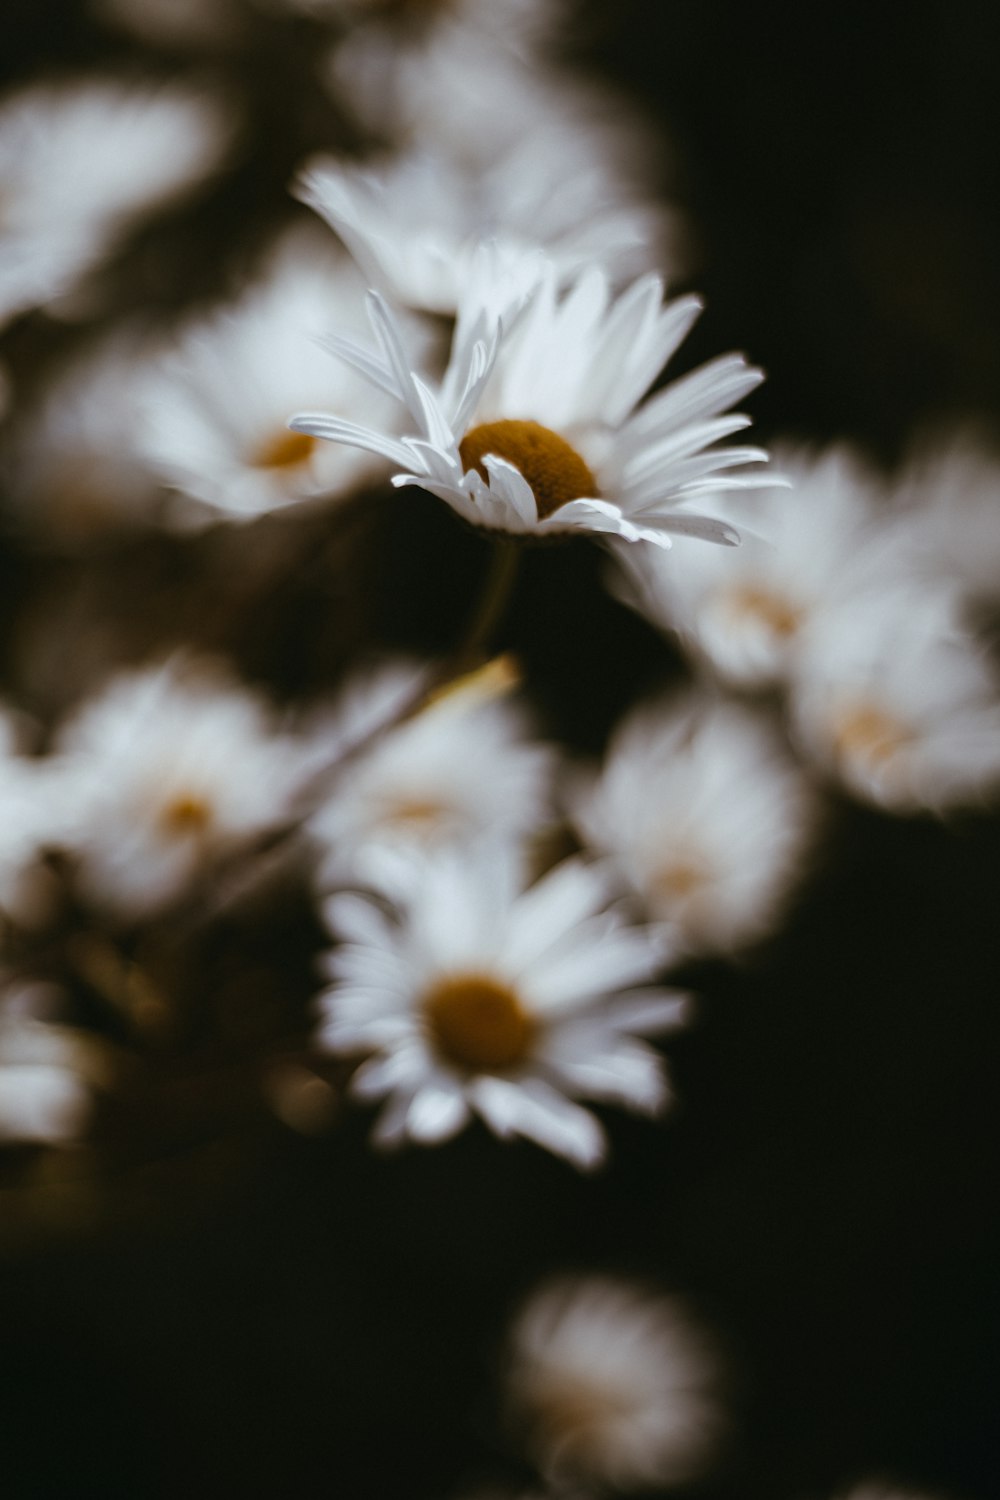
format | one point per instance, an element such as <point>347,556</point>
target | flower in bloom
<point>896,700</point>
<point>537,430</point>
<point>464,766</point>
<point>475,995</point>
<point>743,611</point>
<point>705,817</point>
<point>80,162</point>
<point>215,417</point>
<point>614,1384</point>
<point>167,769</point>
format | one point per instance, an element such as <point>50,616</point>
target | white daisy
<point>537,431</point>
<point>743,611</point>
<point>614,1385</point>
<point>166,770</point>
<point>46,1072</point>
<point>73,469</point>
<point>705,817</point>
<point>80,162</point>
<point>215,423</point>
<point>479,996</point>
<point>893,697</point>
<point>463,767</point>
<point>568,200</point>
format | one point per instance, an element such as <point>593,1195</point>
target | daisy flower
<point>742,612</point>
<point>477,996</point>
<point>463,767</point>
<point>80,162</point>
<point>165,771</point>
<point>614,1385</point>
<point>896,700</point>
<point>704,816</point>
<point>74,470</point>
<point>537,431</point>
<point>46,1072</point>
<point>215,417</point>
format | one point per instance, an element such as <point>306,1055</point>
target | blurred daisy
<point>894,698</point>
<point>463,767</point>
<point>613,1385</point>
<point>566,200</point>
<point>704,816</point>
<point>948,500</point>
<point>46,1073</point>
<point>73,469</point>
<point>165,771</point>
<point>537,431</point>
<point>80,162</point>
<point>215,424</point>
<point>743,611</point>
<point>477,996</point>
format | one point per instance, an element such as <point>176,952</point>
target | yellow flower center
<point>780,616</point>
<point>285,450</point>
<point>679,880</point>
<point>555,471</point>
<point>865,732</point>
<point>477,1023</point>
<point>418,814</point>
<point>185,816</point>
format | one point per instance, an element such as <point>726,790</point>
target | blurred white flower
<point>216,416</point>
<point>567,200</point>
<point>73,469</point>
<point>538,431</point>
<point>705,817</point>
<point>743,611</point>
<point>895,699</point>
<point>46,1072</point>
<point>614,1385</point>
<point>80,162</point>
<point>167,769</point>
<point>464,766</point>
<point>948,500</point>
<point>479,996</point>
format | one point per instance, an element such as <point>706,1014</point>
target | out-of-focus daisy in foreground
<point>705,817</point>
<point>464,766</point>
<point>948,499</point>
<point>477,996</point>
<point>567,200</point>
<point>162,773</point>
<point>897,701</point>
<point>74,471</point>
<point>744,611</point>
<point>46,1071</point>
<point>538,430</point>
<point>216,416</point>
<point>81,161</point>
<point>613,1385</point>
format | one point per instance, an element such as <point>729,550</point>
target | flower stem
<point>490,609</point>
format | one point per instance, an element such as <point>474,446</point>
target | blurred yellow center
<point>185,815</point>
<point>416,812</point>
<point>285,450</point>
<point>677,881</point>
<point>555,471</point>
<point>477,1023</point>
<point>865,732</point>
<point>780,616</point>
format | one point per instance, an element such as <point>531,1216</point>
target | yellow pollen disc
<point>416,812</point>
<point>555,471</point>
<point>478,1024</point>
<point>186,815</point>
<point>285,450</point>
<point>780,616</point>
<point>677,881</point>
<point>865,732</point>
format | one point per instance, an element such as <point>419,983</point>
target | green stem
<point>490,610</point>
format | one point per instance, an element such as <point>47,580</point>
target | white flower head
<point>46,1072</point>
<point>167,769</point>
<point>478,996</point>
<point>463,767</point>
<point>705,817</point>
<point>537,431</point>
<point>81,161</point>
<point>74,470</point>
<point>615,1385</point>
<point>215,424</point>
<point>743,611</point>
<point>896,700</point>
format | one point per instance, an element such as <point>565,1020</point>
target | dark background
<point>325,1321</point>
